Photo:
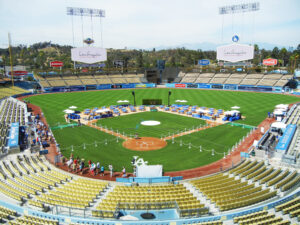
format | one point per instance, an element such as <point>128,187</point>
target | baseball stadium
<point>213,143</point>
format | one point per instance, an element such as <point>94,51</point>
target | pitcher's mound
<point>144,144</point>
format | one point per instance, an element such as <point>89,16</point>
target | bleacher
<point>150,197</point>
<point>230,192</point>
<point>74,80</point>
<point>10,90</point>
<point>12,110</point>
<point>235,78</point>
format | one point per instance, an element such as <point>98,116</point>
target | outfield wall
<point>97,87</point>
<point>235,87</point>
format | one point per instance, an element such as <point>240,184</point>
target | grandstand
<point>10,90</point>
<point>82,79</point>
<point>277,80</point>
<point>253,192</point>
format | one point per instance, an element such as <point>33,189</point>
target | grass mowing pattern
<point>170,123</point>
<point>173,157</point>
<point>253,105</point>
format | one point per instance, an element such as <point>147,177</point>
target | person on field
<point>110,167</point>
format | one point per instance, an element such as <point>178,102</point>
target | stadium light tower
<point>235,9</point>
<point>87,12</point>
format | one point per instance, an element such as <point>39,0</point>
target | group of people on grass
<point>78,165</point>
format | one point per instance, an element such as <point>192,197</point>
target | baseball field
<point>184,152</point>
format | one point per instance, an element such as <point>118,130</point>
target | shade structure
<point>69,111</point>
<point>122,101</point>
<point>102,110</point>
<point>235,107</point>
<point>73,107</point>
<point>279,125</point>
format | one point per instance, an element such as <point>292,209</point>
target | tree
<point>282,55</point>
<point>140,60</point>
<point>275,53</point>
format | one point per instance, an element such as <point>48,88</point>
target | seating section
<point>24,220</point>
<point>12,110</point>
<point>218,80</point>
<point>230,193</point>
<point>10,90</point>
<point>260,218</point>
<point>249,81</point>
<point>236,78</point>
<point>6,213</point>
<point>233,81</point>
<point>149,197</point>
<point>291,207</point>
<point>74,80</point>
<point>78,193</point>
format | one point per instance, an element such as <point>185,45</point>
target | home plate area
<point>144,144</point>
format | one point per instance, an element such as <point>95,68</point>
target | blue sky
<point>150,23</point>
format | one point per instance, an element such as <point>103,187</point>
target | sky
<point>144,24</point>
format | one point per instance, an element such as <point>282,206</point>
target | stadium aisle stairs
<point>109,189</point>
<point>201,198</point>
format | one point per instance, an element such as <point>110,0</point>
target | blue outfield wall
<point>286,138</point>
<point>98,87</point>
<point>13,140</point>
<point>227,87</point>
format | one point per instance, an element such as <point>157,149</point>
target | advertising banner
<point>217,86</point>
<point>127,85</point>
<point>180,85</point>
<point>230,87</point>
<point>91,87</point>
<point>19,73</point>
<point>56,64</point>
<point>140,85</point>
<point>88,54</point>
<point>192,85</point>
<point>270,62</point>
<point>235,52</point>
<point>203,62</point>
<point>103,86</point>
<point>286,138</point>
<point>170,85</point>
<point>13,140</point>
<point>116,86</point>
<point>150,85</point>
<point>90,65</point>
<point>206,86</point>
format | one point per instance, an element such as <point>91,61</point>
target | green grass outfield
<point>170,123</point>
<point>254,106</point>
<point>173,157</point>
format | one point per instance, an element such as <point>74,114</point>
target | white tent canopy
<point>178,100</point>
<point>202,110</point>
<point>282,107</point>
<point>231,112</point>
<point>73,107</point>
<point>69,111</point>
<point>278,125</point>
<point>122,101</point>
<point>102,110</point>
<point>235,107</point>
<point>278,112</point>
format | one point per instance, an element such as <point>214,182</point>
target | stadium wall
<point>227,87</point>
